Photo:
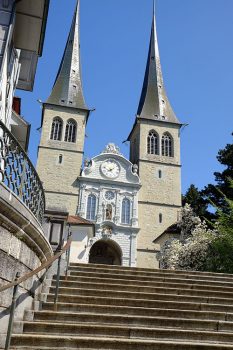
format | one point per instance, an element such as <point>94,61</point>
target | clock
<point>109,195</point>
<point>110,168</point>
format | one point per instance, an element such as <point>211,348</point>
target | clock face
<point>109,195</point>
<point>110,169</point>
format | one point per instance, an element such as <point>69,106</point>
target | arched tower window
<point>167,145</point>
<point>152,143</point>
<point>70,133</point>
<point>56,129</point>
<point>125,213</point>
<point>91,207</point>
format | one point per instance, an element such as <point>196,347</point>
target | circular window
<point>109,195</point>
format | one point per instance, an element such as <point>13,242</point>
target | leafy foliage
<point>200,246</point>
<point>221,256</point>
<point>191,251</point>
<point>198,203</point>
<point>223,179</point>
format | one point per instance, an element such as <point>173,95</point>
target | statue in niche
<point>108,212</point>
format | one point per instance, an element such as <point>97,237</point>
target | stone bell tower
<point>155,147</point>
<point>64,119</point>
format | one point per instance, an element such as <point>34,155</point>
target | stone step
<point>113,307</point>
<point>135,292</point>
<point>137,299</point>
<point>145,281</point>
<point>133,269</point>
<point>167,309</point>
<point>148,277</point>
<point>126,331</point>
<point>150,273</point>
<point>66,303</point>
<point>156,346</point>
<point>149,287</point>
<point>83,343</point>
<point>166,322</point>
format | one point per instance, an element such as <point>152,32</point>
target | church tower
<point>64,119</point>
<point>155,147</point>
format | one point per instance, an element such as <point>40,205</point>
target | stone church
<point>129,202</point>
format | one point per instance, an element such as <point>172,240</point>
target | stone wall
<point>60,180</point>
<point>23,248</point>
<point>160,194</point>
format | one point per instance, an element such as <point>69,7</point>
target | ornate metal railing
<point>19,175</point>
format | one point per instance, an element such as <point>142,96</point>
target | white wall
<point>79,251</point>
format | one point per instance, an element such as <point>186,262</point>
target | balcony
<point>18,174</point>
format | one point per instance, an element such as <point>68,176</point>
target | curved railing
<point>19,175</point>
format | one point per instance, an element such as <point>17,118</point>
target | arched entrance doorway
<point>105,252</point>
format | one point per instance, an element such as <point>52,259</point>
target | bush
<point>192,250</point>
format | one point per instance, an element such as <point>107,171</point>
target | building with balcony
<point>22,35</point>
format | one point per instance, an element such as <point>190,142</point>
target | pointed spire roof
<point>154,103</point>
<point>67,89</point>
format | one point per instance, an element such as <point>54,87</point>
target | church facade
<point>109,186</point>
<point>131,202</point>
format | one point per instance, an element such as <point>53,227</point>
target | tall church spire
<point>67,89</point>
<point>154,103</point>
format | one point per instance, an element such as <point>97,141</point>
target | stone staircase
<point>113,307</point>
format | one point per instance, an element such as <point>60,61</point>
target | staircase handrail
<point>38,269</point>
<point>28,275</point>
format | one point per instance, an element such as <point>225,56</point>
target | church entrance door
<point>105,252</point>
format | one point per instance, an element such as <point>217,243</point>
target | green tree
<point>199,204</point>
<point>221,254</point>
<point>223,179</point>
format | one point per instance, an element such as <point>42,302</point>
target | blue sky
<point>196,49</point>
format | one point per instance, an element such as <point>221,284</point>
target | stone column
<point>133,249</point>
<point>99,217</point>
<point>117,207</point>
<point>135,210</point>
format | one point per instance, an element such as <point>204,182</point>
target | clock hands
<point>110,169</point>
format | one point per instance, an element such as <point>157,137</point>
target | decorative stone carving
<point>87,163</point>
<point>106,232</point>
<point>112,148</point>
<point>117,219</point>
<point>135,169</point>
<point>134,222</point>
